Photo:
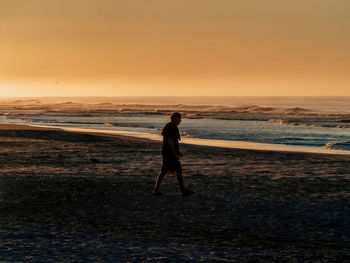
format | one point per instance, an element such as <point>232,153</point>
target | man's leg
<point>158,182</point>
<point>180,180</point>
<point>181,183</point>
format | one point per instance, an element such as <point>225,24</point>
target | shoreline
<point>228,144</point>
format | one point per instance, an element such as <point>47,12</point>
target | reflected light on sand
<point>212,143</point>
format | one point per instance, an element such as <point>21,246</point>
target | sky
<point>167,48</point>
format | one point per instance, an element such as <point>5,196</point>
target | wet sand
<point>81,197</point>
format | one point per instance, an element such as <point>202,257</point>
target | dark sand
<point>87,198</point>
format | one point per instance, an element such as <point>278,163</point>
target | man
<point>171,154</point>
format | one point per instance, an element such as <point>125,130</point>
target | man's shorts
<point>171,165</point>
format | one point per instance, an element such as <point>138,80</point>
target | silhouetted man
<point>171,154</point>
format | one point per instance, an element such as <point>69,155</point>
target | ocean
<point>308,122</point>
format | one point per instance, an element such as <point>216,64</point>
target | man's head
<point>176,118</point>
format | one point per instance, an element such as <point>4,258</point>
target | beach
<point>86,197</point>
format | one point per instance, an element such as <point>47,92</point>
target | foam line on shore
<point>211,142</point>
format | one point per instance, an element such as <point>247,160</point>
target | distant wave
<point>144,126</point>
<point>293,123</point>
<point>71,107</point>
<point>68,122</point>
<point>19,117</point>
<point>326,123</point>
<point>192,116</point>
<point>294,116</point>
<point>338,145</point>
<point>131,125</point>
<point>295,111</point>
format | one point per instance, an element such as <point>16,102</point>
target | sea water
<point>320,122</point>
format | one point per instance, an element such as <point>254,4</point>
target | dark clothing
<point>171,165</point>
<point>171,162</point>
<point>171,131</point>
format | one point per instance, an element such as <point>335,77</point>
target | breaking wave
<point>321,122</point>
<point>338,145</point>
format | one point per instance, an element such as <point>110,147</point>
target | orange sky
<point>167,47</point>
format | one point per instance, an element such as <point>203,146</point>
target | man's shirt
<point>171,131</point>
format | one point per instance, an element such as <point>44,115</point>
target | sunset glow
<point>163,47</point>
